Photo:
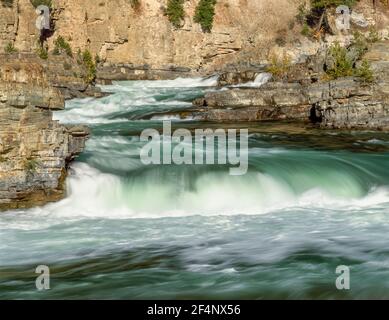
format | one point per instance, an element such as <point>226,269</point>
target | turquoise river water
<point>311,201</point>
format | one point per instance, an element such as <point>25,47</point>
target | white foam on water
<point>93,194</point>
<point>90,111</point>
<point>376,141</point>
<point>172,117</point>
<point>126,96</point>
<point>259,81</point>
<point>166,117</point>
<point>176,83</point>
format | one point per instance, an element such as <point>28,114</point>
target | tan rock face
<point>8,24</point>
<point>244,31</point>
<point>24,84</point>
<point>17,26</point>
<point>113,29</point>
<point>34,149</point>
<point>120,34</point>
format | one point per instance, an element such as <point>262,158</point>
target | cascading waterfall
<point>127,230</point>
<point>259,81</point>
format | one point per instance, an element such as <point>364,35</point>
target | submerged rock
<point>34,149</point>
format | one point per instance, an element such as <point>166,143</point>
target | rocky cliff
<point>142,37</point>
<point>347,102</point>
<point>343,103</point>
<point>243,31</point>
<point>34,150</point>
<point>119,33</point>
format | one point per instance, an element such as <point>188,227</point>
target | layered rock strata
<point>34,150</point>
<point>342,103</point>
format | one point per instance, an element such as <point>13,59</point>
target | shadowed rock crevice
<point>315,115</point>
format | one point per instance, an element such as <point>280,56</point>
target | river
<point>311,200</point>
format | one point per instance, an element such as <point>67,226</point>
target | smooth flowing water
<point>311,201</point>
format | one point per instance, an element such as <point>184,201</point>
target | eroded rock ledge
<point>342,103</point>
<point>34,149</point>
<point>62,72</point>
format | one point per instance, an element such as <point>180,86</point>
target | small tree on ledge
<point>175,12</point>
<point>205,13</point>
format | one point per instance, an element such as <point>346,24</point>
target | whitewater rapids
<point>310,201</point>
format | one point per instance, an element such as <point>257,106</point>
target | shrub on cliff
<point>364,72</point>
<point>42,53</point>
<point>37,3</point>
<point>135,4</point>
<point>90,66</point>
<point>279,66</point>
<point>359,43</point>
<point>315,16</point>
<point>31,165</point>
<point>331,3</point>
<point>373,35</point>
<point>302,13</point>
<point>175,12</point>
<point>306,31</point>
<point>7,3</point>
<point>61,45</point>
<point>343,65</point>
<point>205,12</point>
<point>10,48</point>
